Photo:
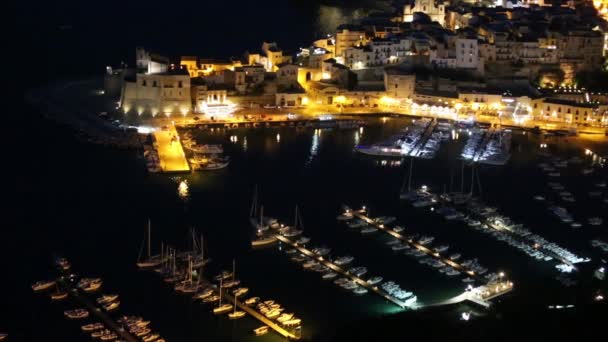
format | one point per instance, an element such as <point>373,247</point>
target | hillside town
<point>520,62</point>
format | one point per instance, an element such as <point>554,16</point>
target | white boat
<point>425,240</point>
<point>344,260</point>
<point>76,313</point>
<point>399,247</point>
<point>252,300</point>
<point>329,275</point>
<point>221,308</point>
<point>360,290</point>
<point>455,256</point>
<point>111,306</point>
<point>398,229</point>
<point>240,291</point>
<point>374,280</point>
<point>369,230</point>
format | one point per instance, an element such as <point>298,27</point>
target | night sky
<point>81,37</point>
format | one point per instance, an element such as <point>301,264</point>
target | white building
<point>467,53</point>
<point>150,63</point>
<point>434,9</point>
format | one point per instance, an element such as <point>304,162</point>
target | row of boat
<point>416,140</point>
<point>597,243</point>
<point>204,156</point>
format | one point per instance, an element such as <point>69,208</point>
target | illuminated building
<point>164,92</point>
<point>434,9</point>
<point>150,63</point>
<point>349,36</point>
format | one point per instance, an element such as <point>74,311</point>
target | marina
<point>333,266</point>
<point>491,287</point>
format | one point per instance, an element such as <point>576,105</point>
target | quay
<point>170,150</point>
<point>269,123</point>
<point>105,318</point>
<point>360,214</point>
<point>340,270</point>
<point>425,137</point>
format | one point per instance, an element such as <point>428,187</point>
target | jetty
<point>170,151</point>
<point>415,152</point>
<point>379,291</point>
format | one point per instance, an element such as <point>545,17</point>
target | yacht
<point>539,198</point>
<point>211,299</point>
<point>394,241</point>
<point>575,225</point>
<point>59,295</point>
<point>468,280</point>
<point>398,229</point>
<point>452,272</point>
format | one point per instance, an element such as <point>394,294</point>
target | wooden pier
<point>340,270</point>
<point>359,214</point>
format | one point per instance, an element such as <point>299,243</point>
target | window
<point>559,109</point>
<point>179,84</point>
<point>548,108</point>
<point>396,86</point>
<point>568,111</point>
<point>576,112</point>
<point>535,105</point>
<point>154,84</point>
<point>143,83</point>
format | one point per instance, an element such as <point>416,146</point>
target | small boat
<point>360,290</point>
<point>92,327</point>
<point>595,221</point>
<point>455,256</point>
<point>211,299</point>
<point>539,198</point>
<point>90,284</point>
<point>398,229</point>
<point>368,230</point>
<point>576,225</point>
<point>63,264</point>
<point>236,314</point>
<point>151,338</point>
<point>3,336</point>
<point>374,280</point>
<point>240,291</point>
<point>105,299</point>
<point>43,285</point>
<point>76,313</point>
<point>111,306</point>
<point>293,321</point>
<point>263,330</point>
<point>205,294</point>
<point>99,333</point>
<point>109,337</point>
<point>329,275</point>
<point>252,300</point>
<point>59,295</point>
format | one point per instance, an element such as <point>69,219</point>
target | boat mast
<point>149,237</point>
<point>409,181</point>
<point>472,179</point>
<point>254,203</point>
<point>233,270</point>
<point>220,302</point>
<point>261,216</point>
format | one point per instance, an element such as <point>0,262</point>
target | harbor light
<point>465,316</point>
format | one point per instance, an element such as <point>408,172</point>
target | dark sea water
<point>91,205</point>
